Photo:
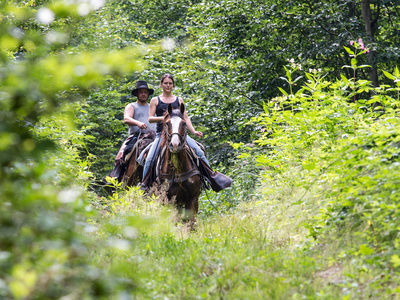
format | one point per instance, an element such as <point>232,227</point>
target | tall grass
<point>259,251</point>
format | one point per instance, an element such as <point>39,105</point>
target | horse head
<point>175,128</point>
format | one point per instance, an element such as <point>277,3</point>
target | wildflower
<point>361,44</point>
<point>351,43</point>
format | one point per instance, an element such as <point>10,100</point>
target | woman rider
<point>158,106</point>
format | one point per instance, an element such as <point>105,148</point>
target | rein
<point>180,177</point>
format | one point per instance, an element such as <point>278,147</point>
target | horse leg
<point>190,198</point>
<point>195,187</point>
<point>192,210</point>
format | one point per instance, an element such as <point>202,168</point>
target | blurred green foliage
<point>46,218</point>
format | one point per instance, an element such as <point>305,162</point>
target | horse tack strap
<point>185,176</point>
<point>181,177</point>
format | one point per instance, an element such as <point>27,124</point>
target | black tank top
<point>161,109</point>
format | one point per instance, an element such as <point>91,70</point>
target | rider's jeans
<point>155,148</point>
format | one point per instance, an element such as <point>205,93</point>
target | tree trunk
<point>370,28</point>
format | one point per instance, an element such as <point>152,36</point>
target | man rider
<point>136,115</point>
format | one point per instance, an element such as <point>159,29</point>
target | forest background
<point>299,103</point>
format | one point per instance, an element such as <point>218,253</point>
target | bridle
<point>176,176</point>
<point>181,136</point>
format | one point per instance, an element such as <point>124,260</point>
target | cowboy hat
<point>141,84</point>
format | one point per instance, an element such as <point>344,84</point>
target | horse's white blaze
<point>175,122</point>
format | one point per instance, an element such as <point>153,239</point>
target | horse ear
<point>182,108</point>
<point>169,108</point>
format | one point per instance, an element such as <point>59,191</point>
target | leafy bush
<point>343,137</point>
<point>46,219</point>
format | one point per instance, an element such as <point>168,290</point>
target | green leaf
<point>395,260</point>
<point>344,78</point>
<point>365,250</point>
<point>348,50</point>
<point>285,79</point>
<point>283,91</point>
<point>388,75</point>
<point>396,72</point>
<point>297,79</point>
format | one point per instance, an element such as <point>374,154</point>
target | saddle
<point>211,179</point>
<point>144,142</point>
<point>134,144</point>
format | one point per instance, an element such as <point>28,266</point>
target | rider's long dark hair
<point>166,75</point>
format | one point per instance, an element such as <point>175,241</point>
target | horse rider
<point>158,106</point>
<point>136,116</point>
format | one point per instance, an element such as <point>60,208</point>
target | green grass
<point>259,251</point>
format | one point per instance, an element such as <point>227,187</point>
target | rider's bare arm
<point>128,117</point>
<point>189,122</point>
<point>152,111</point>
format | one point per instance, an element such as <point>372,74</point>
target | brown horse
<point>133,172</point>
<point>177,166</point>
